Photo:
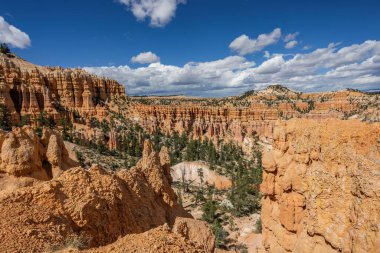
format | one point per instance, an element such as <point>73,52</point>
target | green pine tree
<point>5,118</point>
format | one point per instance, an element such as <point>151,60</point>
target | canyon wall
<point>215,123</point>
<point>243,119</point>
<point>28,89</point>
<point>321,187</point>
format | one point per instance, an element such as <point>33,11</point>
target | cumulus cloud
<point>12,35</point>
<point>307,47</point>
<point>144,58</point>
<point>271,66</point>
<point>266,54</point>
<point>329,68</point>
<point>290,40</point>
<point>160,12</point>
<point>245,45</point>
<point>291,36</point>
<point>291,44</point>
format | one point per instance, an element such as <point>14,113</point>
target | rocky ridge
<point>89,207</point>
<point>27,89</point>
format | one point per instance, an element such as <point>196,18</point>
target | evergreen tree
<point>137,149</point>
<point>67,127</point>
<point>80,158</point>
<point>101,148</point>
<point>211,153</point>
<point>4,48</point>
<point>105,126</point>
<point>219,232</point>
<point>156,140</point>
<point>209,208</point>
<point>200,175</point>
<point>94,123</point>
<point>25,120</point>
<point>209,211</point>
<point>199,196</point>
<point>5,118</point>
<point>45,120</point>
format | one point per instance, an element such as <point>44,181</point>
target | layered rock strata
<point>28,89</point>
<point>321,187</point>
<point>243,119</point>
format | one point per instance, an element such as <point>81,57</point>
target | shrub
<point>4,48</point>
<point>80,158</point>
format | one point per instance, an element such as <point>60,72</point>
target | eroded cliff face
<point>242,119</point>
<point>215,123</point>
<point>321,187</point>
<point>28,89</point>
<point>92,207</point>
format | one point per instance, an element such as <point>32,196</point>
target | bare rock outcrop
<point>27,90</point>
<point>321,187</point>
<point>97,208</point>
<point>196,231</point>
<point>24,154</point>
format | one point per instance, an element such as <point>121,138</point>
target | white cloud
<point>291,36</point>
<point>244,45</point>
<point>12,35</point>
<point>307,47</point>
<point>271,66</point>
<point>290,40</point>
<point>266,54</point>
<point>147,57</point>
<point>160,12</point>
<point>330,68</point>
<point>291,44</point>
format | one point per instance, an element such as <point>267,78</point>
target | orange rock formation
<point>92,206</point>
<point>28,89</point>
<point>321,187</point>
<point>24,154</point>
<point>242,119</point>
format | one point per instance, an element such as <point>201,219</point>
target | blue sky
<point>190,43</point>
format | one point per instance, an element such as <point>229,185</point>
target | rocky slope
<point>157,240</point>
<point>28,89</point>
<point>321,187</point>
<point>88,208</point>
